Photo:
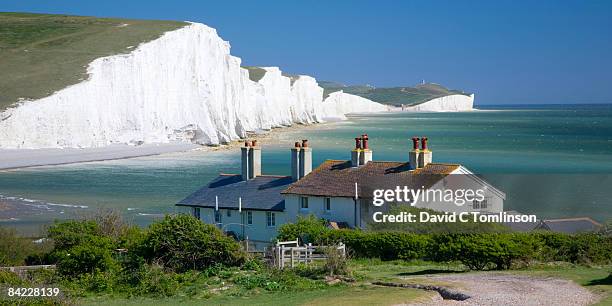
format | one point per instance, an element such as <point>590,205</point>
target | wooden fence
<point>290,254</point>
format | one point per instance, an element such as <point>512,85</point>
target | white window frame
<point>270,219</point>
<point>484,204</point>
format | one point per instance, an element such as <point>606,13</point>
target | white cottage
<point>251,205</point>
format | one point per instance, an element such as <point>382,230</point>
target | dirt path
<point>506,289</point>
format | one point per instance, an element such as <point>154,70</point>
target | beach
<point>11,159</point>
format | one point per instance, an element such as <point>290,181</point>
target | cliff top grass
<point>393,95</point>
<point>255,73</point>
<point>42,53</point>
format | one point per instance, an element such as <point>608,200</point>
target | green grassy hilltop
<point>43,53</point>
<point>393,95</point>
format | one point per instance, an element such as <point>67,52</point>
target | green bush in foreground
<point>183,243</point>
<point>475,250</point>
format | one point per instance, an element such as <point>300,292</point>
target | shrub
<point>336,262</point>
<point>14,250</point>
<point>66,234</point>
<point>307,229</point>
<point>475,250</point>
<point>81,248</point>
<point>88,257</point>
<point>182,243</point>
<point>153,280</point>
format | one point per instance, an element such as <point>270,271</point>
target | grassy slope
<point>367,271</point>
<point>44,53</point>
<point>392,95</point>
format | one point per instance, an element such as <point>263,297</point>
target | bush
<point>67,234</point>
<point>182,243</point>
<point>89,257</point>
<point>153,280</point>
<point>474,250</point>
<point>336,262</point>
<point>81,248</point>
<point>14,250</point>
<point>307,229</point>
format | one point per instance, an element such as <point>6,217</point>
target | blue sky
<point>506,52</point>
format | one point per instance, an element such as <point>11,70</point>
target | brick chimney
<point>244,159</point>
<point>254,160</point>
<point>425,156</point>
<point>356,153</point>
<point>413,155</point>
<point>305,159</point>
<point>295,161</point>
<point>250,159</point>
<point>366,153</point>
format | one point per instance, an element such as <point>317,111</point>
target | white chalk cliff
<point>183,86</point>
<point>452,103</point>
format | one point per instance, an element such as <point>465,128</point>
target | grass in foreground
<point>595,279</point>
<point>335,295</point>
<point>43,53</point>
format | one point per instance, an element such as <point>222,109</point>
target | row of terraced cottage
<point>252,205</point>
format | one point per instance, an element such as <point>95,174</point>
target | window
<point>270,219</point>
<point>195,211</point>
<point>217,216</point>
<point>479,204</point>
<point>249,217</point>
<point>303,202</point>
<point>229,213</point>
<point>327,202</point>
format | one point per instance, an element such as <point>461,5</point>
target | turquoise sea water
<point>554,161</point>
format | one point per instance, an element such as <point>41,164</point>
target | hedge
<point>475,250</point>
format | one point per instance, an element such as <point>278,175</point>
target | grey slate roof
<point>260,193</point>
<point>570,225</point>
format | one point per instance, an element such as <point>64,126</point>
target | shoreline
<point>15,159</point>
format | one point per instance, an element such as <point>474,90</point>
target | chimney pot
<point>247,143</point>
<point>357,143</point>
<point>424,143</point>
<point>415,143</point>
<point>254,143</point>
<point>364,138</point>
<point>297,144</point>
<point>304,143</point>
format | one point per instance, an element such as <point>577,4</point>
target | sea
<point>554,161</point>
